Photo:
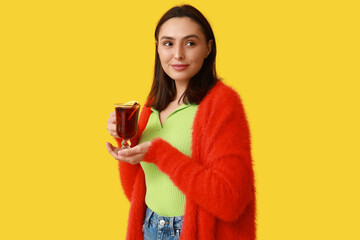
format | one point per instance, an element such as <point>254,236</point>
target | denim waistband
<point>172,223</point>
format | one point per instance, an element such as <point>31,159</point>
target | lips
<point>179,67</point>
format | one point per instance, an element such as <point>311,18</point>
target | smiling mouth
<point>179,67</point>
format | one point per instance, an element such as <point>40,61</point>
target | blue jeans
<point>161,228</point>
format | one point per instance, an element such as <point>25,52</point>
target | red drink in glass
<point>127,122</point>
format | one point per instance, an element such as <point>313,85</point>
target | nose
<point>179,53</point>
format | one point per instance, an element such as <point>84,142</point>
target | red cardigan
<point>217,180</point>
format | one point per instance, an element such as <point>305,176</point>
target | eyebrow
<point>186,37</point>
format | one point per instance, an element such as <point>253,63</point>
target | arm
<point>128,171</point>
<point>127,174</point>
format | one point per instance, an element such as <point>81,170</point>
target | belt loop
<point>148,216</point>
<point>172,226</point>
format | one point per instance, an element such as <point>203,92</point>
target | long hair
<point>163,89</point>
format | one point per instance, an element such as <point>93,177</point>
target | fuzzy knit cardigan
<point>217,180</point>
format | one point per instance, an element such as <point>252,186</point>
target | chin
<point>181,79</point>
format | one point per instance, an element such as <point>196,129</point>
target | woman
<point>190,173</point>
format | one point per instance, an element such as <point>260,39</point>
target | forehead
<point>179,27</point>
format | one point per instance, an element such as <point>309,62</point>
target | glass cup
<point>127,122</point>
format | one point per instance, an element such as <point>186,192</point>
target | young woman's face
<point>182,48</point>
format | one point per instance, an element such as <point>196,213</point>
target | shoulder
<point>222,105</point>
<point>221,95</point>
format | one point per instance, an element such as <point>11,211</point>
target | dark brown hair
<point>163,89</point>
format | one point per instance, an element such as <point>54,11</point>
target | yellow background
<point>65,63</point>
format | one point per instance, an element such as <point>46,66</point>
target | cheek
<point>198,58</point>
<point>164,56</point>
<point>201,54</point>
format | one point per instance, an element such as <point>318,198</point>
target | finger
<point>110,147</point>
<point>111,127</point>
<point>112,115</point>
<point>112,150</point>
<point>115,151</point>
<point>131,151</point>
<point>111,119</point>
<point>133,159</point>
<point>114,134</point>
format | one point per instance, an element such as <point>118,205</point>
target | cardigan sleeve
<point>128,171</point>
<point>127,175</point>
<point>221,180</point>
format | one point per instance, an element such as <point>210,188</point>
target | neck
<point>181,87</point>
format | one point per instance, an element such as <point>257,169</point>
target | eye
<point>168,44</point>
<point>190,44</point>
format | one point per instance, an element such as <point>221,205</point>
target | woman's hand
<point>130,155</point>
<point>111,127</point>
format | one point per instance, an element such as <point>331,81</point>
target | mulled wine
<point>127,121</point>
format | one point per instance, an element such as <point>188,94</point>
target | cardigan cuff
<point>157,147</point>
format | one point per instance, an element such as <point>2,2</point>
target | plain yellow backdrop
<point>65,63</point>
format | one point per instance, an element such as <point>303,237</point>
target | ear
<point>156,46</point>
<point>209,47</point>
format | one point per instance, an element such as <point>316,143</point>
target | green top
<point>162,196</point>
